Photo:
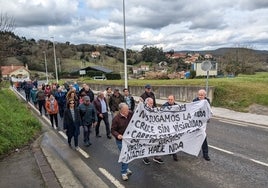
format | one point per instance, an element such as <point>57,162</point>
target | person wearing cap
<point>148,93</point>
<point>88,118</point>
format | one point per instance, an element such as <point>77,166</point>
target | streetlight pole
<point>55,61</point>
<point>46,64</point>
<point>125,50</point>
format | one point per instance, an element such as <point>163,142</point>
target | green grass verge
<point>17,125</point>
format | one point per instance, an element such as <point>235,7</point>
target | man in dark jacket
<point>102,114</point>
<point>88,117</point>
<point>129,99</point>
<point>115,100</point>
<point>202,96</point>
<point>148,93</point>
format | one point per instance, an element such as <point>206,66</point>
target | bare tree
<point>7,25</point>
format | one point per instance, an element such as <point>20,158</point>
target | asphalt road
<point>238,152</point>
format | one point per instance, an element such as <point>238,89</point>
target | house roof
<point>7,70</point>
<point>98,68</point>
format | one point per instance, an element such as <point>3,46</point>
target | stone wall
<point>182,93</point>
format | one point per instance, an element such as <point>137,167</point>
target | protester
<point>171,102</point>
<point>129,100</point>
<point>33,96</point>
<point>119,125</point>
<point>148,93</point>
<point>72,95</point>
<point>41,100</point>
<point>72,122</point>
<point>149,102</point>
<point>115,100</point>
<point>28,86</point>
<point>102,114</point>
<point>52,108</point>
<point>88,117</point>
<point>202,96</point>
<point>60,96</point>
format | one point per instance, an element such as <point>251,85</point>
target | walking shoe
<point>175,158</point>
<point>98,136</point>
<point>206,157</point>
<point>87,144</point>
<point>146,161</point>
<point>124,177</point>
<point>158,160</point>
<point>76,148</point>
<point>129,172</point>
<point>109,137</point>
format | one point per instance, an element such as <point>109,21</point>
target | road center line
<point>111,178</point>
<point>239,155</point>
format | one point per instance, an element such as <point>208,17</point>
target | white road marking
<point>239,155</point>
<point>223,150</point>
<point>259,162</point>
<point>63,134</point>
<point>85,154</point>
<point>111,178</point>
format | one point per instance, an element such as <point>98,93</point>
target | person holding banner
<point>149,102</point>
<point>202,96</point>
<point>119,125</point>
<point>171,102</point>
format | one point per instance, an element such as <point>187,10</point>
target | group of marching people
<point>79,107</point>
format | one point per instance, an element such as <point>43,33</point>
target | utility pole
<point>55,61</point>
<point>46,64</point>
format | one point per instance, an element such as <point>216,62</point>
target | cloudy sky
<point>170,24</point>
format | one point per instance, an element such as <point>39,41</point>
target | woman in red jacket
<point>52,108</point>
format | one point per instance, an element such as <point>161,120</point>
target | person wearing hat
<point>148,93</point>
<point>88,118</point>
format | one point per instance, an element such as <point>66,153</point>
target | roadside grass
<point>17,125</point>
<point>236,93</point>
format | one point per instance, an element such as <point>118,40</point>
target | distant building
<point>19,72</point>
<point>95,54</point>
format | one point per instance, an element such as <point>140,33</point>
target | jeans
<point>87,130</point>
<point>124,166</point>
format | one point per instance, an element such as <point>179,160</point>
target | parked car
<point>99,78</point>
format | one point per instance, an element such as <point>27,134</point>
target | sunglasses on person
<point>71,103</point>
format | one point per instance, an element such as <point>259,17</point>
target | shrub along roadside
<point>18,126</point>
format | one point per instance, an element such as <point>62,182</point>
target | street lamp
<point>55,61</point>
<point>125,50</point>
<point>46,64</point>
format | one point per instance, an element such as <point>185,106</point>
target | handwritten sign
<point>163,131</point>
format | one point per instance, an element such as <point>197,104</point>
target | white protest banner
<point>163,131</point>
